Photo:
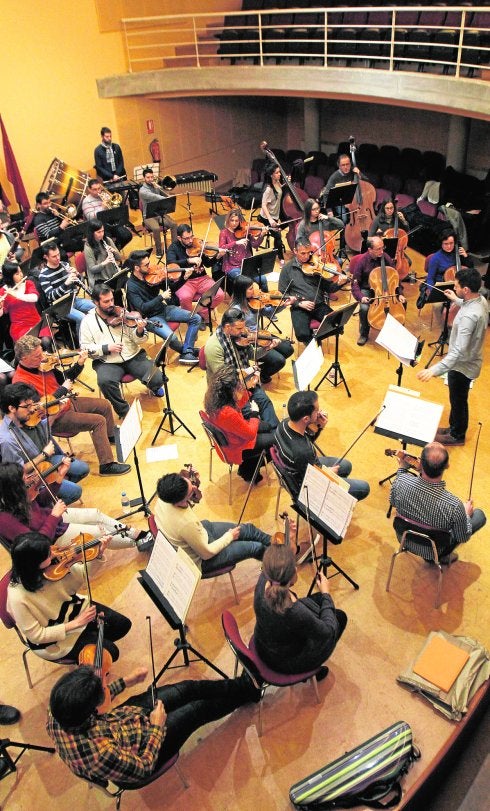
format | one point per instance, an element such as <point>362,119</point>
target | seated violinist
<point>272,352</point>
<point>308,288</point>
<point>56,621</point>
<point>24,439</point>
<point>237,241</point>
<point>187,253</point>
<point>246,438</point>
<point>360,282</point>
<point>91,414</point>
<point>28,503</point>
<point>157,303</point>
<point>115,347</point>
<point>316,227</point>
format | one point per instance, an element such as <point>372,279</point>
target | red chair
<point>218,443</point>
<point>259,672</point>
<point>9,623</point>
<point>80,263</point>
<point>152,526</point>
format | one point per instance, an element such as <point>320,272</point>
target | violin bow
<point>152,659</point>
<point>474,459</point>
<point>85,567</point>
<point>314,558</point>
<point>205,239</point>
<point>249,221</point>
<point>370,423</point>
<point>31,461</point>
<point>240,370</point>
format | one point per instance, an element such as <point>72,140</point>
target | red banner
<point>13,173</point>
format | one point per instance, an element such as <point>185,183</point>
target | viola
<point>384,281</point>
<point>188,472</point>
<point>43,474</point>
<point>52,409</point>
<point>411,461</point>
<point>361,209</point>
<point>156,275</point>
<point>293,201</point>
<point>51,361</point>
<point>64,557</point>
<point>100,659</point>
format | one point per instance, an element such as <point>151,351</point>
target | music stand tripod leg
<point>443,339</point>
<point>184,647</point>
<point>10,761</point>
<point>251,484</point>
<point>338,374</point>
<point>325,561</point>
<point>168,410</point>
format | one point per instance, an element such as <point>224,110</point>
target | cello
<point>292,201</point>
<point>384,281</point>
<point>362,207</point>
<point>401,262</point>
<point>450,276</point>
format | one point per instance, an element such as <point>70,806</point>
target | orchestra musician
<point>313,221</point>
<point>108,157</point>
<point>153,302</point>
<point>93,203</point>
<point>445,258</point>
<point>360,282</point>
<point>270,210</point>
<point>237,245</point>
<point>276,351</point>
<point>194,281</point>
<point>7,239</point>
<point>18,299</point>
<point>294,440</point>
<point>102,258</point>
<point>385,219</point>
<point>116,349</point>
<point>149,192</point>
<point>308,291</point>
<point>345,173</point>
<point>51,225</point>
<point>246,438</point>
<point>92,414</point>
<point>41,607</point>
<point>57,278</point>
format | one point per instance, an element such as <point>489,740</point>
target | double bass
<point>384,281</point>
<point>362,207</point>
<point>292,201</point>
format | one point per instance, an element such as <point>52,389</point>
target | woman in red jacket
<point>223,401</point>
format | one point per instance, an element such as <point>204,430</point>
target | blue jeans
<point>175,313</point>
<point>251,543</point>
<point>266,408</point>
<point>80,307</point>
<point>69,490</point>
<point>261,280</point>
<point>357,487</point>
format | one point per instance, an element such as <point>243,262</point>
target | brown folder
<point>441,662</point>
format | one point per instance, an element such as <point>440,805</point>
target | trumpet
<point>110,200</point>
<point>68,212</point>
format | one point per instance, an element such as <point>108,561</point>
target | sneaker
<point>114,469</point>
<point>362,340</point>
<point>188,358</point>
<point>146,542</point>
<point>322,673</point>
<point>449,439</point>
<point>195,351</point>
<point>8,714</point>
<point>444,430</point>
<point>203,326</point>
<point>158,392</point>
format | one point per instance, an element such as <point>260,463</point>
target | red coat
<point>240,433</point>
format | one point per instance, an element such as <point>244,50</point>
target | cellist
<point>360,282</point>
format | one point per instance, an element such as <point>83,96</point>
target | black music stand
<point>117,283</point>
<point>161,361</point>
<point>333,324</point>
<point>340,196</point>
<point>181,643</point>
<point>111,216</point>
<point>11,762</point>
<point>159,209</point>
<point>437,296</point>
<point>57,311</point>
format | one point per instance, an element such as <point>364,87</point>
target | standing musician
<point>425,500</point>
<point>237,245</point>
<point>153,302</point>
<point>57,278</point>
<point>108,157</point>
<point>93,203</point>
<point>270,211</point>
<point>294,440</point>
<point>464,358</point>
<point>21,442</point>
<point>18,299</point>
<point>102,258</point>
<point>91,414</point>
<point>129,743</point>
<point>149,192</point>
<point>49,224</point>
<point>193,281</point>
<point>56,621</point>
<point>274,354</point>
<point>308,291</point>
<point>116,348</point>
<point>223,349</point>
<point>360,282</point>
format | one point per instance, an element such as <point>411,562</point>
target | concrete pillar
<point>312,124</point>
<point>457,142</point>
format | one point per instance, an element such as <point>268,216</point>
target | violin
<point>188,472</point>
<point>129,318</point>
<point>64,557</point>
<point>361,209</point>
<point>53,409</point>
<point>317,266</point>
<point>51,361</point>
<point>326,252</point>
<point>402,456</point>
<point>43,474</point>
<point>155,275</point>
<point>100,659</point>
<point>201,248</point>
<point>384,281</point>
<point>282,538</point>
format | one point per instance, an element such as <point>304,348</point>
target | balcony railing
<point>452,40</point>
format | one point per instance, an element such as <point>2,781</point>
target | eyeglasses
<point>26,405</point>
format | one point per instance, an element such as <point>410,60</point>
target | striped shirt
<point>121,745</point>
<point>430,504</point>
<point>54,281</point>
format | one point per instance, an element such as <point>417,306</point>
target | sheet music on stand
<point>325,495</point>
<point>5,367</point>
<point>398,341</point>
<point>129,432</point>
<point>407,417</point>
<point>309,363</point>
<point>172,575</point>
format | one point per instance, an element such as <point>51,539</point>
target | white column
<point>312,124</point>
